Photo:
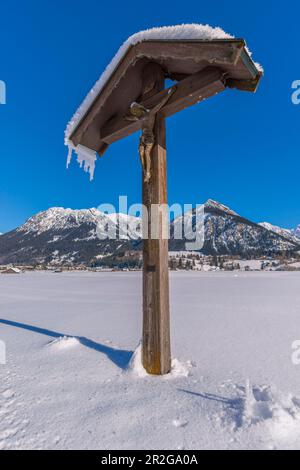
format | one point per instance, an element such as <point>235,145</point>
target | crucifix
<point>156,350</point>
<point>147,140</point>
<point>134,98</point>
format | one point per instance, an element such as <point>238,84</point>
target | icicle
<point>87,158</point>
<point>69,157</point>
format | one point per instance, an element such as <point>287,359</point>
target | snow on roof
<point>87,157</point>
<point>11,270</point>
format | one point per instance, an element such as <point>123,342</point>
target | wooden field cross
<point>131,95</point>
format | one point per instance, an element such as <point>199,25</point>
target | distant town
<point>178,261</point>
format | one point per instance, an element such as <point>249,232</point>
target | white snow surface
<point>71,379</point>
<point>184,31</point>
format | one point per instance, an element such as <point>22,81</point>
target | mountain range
<point>65,236</point>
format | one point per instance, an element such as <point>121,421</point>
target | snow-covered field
<point>70,337</point>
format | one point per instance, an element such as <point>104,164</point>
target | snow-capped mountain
<point>66,236</point>
<point>60,219</point>
<point>61,235</point>
<point>285,232</point>
<point>226,232</point>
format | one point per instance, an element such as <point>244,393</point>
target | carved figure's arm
<point>163,101</point>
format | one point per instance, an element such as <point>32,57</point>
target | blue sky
<point>241,149</point>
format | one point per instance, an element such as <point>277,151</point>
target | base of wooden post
<point>156,351</point>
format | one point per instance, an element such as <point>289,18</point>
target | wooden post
<point>156,353</point>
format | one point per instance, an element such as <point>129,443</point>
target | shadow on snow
<point>234,406</point>
<point>119,357</point>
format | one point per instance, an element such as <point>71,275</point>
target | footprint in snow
<point>8,393</point>
<point>274,413</point>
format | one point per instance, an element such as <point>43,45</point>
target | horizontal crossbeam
<point>191,90</point>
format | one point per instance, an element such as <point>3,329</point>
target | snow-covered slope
<point>285,232</point>
<point>226,232</point>
<point>58,218</point>
<point>274,228</point>
<point>296,232</point>
<point>67,236</point>
<point>211,205</point>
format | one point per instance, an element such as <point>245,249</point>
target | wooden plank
<point>222,52</point>
<point>95,107</point>
<point>156,350</point>
<point>243,85</point>
<point>189,91</point>
<point>173,56</point>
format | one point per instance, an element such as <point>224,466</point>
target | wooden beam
<point>243,85</point>
<point>189,91</point>
<point>215,52</point>
<point>218,51</point>
<point>156,350</point>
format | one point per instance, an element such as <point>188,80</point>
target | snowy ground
<point>70,336</point>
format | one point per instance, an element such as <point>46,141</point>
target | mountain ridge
<point>76,236</point>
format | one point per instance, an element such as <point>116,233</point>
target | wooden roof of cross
<point>201,68</point>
